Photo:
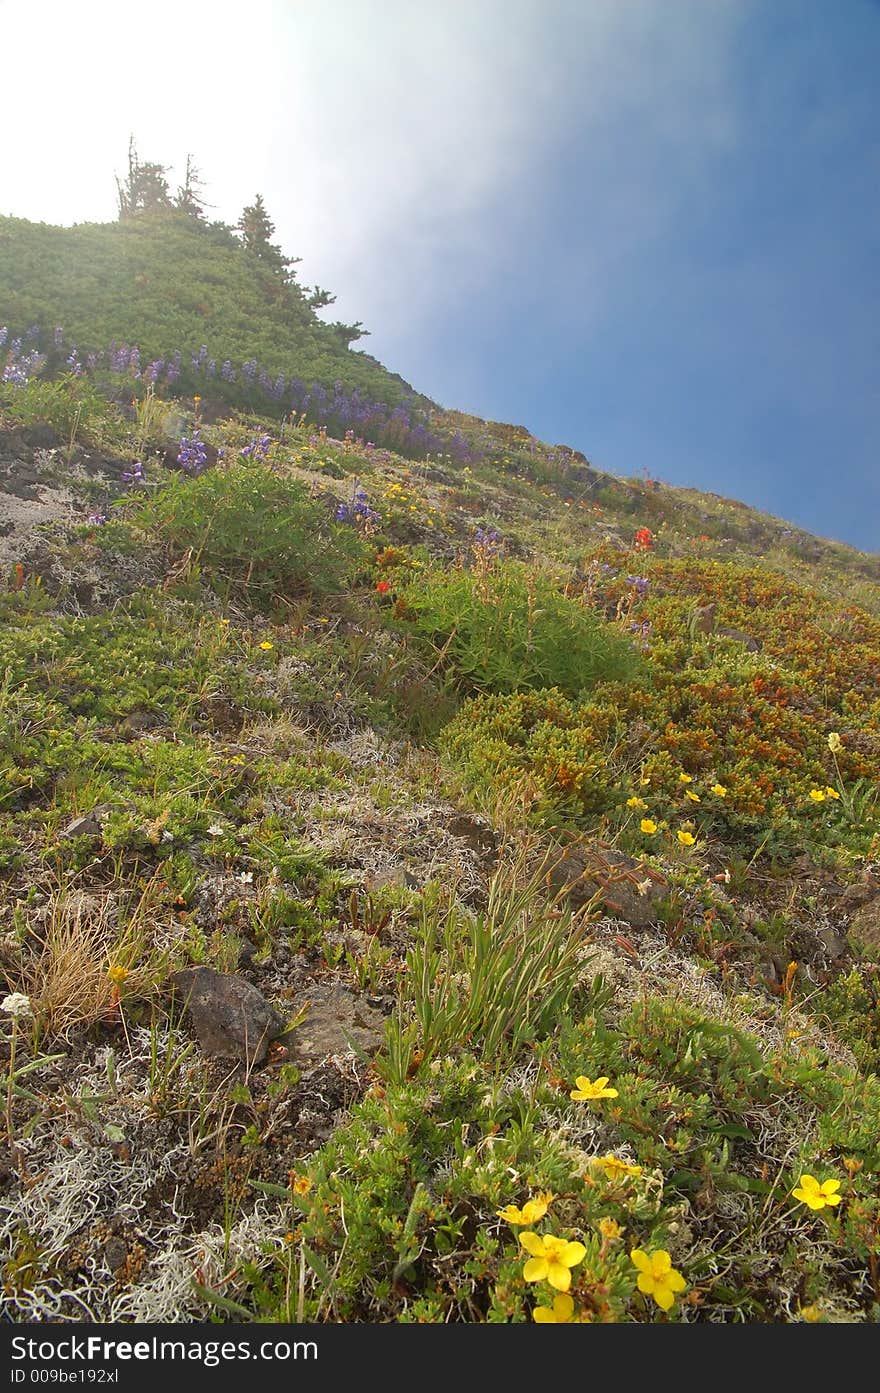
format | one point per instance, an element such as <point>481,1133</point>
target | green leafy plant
<point>512,627</point>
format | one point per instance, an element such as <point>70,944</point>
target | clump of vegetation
<point>510,627</point>
<point>248,526</point>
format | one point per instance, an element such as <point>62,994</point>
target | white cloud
<point>403,147</point>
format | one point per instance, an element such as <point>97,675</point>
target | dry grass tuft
<point>76,940</point>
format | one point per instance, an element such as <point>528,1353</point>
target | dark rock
<point>834,945</point>
<point>397,877</point>
<point>138,722</point>
<point>704,619</point>
<point>751,645</point>
<point>115,1253</point>
<point>41,437</point>
<point>478,835</point>
<point>625,887</point>
<point>336,1022</point>
<point>91,823</point>
<point>229,1016</point>
<point>221,714</point>
<point>864,926</point>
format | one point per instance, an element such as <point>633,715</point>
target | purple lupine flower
<point>258,448</point>
<point>59,336</point>
<point>227,372</point>
<point>193,456</point>
<point>357,512</point>
<point>486,539</point>
<point>4,333</point>
<point>135,475</point>
<point>97,519</point>
<point>152,370</point>
<point>640,583</point>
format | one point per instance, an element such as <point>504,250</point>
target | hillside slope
<point>439,889</point>
<point>167,285</point>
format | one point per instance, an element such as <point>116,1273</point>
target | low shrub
<point>511,627</point>
<point>250,527</point>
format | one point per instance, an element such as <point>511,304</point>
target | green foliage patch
<point>247,525</point>
<point>512,627</point>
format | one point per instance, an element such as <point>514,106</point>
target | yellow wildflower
<point>117,974</point>
<point>834,742</point>
<point>301,1185</point>
<point>610,1229</point>
<point>817,795</point>
<point>647,826</point>
<point>816,1194</point>
<point>636,803</point>
<point>831,792</point>
<point>531,1212</point>
<point>812,1314</point>
<point>614,1168</point>
<point>586,1091</point>
<point>685,778</point>
<point>686,838</point>
<point>551,1259</point>
<point>266,645</point>
<point>560,1313</point>
<point>657,1276</point>
<point>719,790</point>
<point>694,797</point>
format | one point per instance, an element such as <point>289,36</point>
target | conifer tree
<point>145,190</point>
<point>319,297</point>
<point>257,230</point>
<point>189,195</point>
<point>349,333</point>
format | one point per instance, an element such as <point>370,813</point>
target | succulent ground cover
<point>340,722</point>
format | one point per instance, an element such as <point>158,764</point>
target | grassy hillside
<point>168,284</point>
<point>531,815</point>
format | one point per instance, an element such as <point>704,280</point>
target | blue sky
<point>648,229</point>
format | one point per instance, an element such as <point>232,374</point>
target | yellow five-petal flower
<point>816,1194</point>
<point>531,1212</point>
<point>585,1090</point>
<point>614,1168</point>
<point>551,1260</point>
<point>560,1313</point>
<point>657,1276</point>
